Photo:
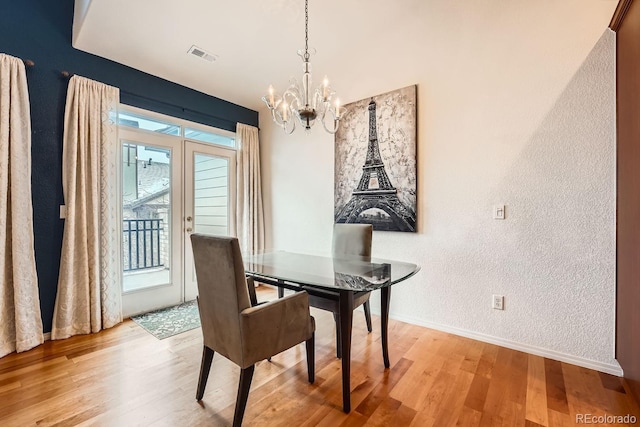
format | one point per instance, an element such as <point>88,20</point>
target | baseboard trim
<point>47,336</point>
<point>608,368</point>
<point>613,368</point>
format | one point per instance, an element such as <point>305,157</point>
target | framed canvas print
<point>375,162</point>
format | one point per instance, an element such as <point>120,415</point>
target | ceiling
<point>360,44</point>
<point>255,40</point>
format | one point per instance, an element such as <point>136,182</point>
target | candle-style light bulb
<point>337,108</point>
<point>285,107</point>
<point>271,95</point>
<point>325,88</point>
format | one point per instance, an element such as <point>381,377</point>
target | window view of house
<point>137,121</point>
<point>146,210</point>
<point>211,192</point>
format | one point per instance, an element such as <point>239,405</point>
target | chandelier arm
<point>336,122</point>
<point>277,118</point>
<point>336,125</point>
<point>293,127</point>
<point>292,99</point>
<point>299,119</point>
<point>318,99</point>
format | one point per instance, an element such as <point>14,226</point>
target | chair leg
<point>336,318</point>
<point>367,315</point>
<point>311,357</point>
<point>205,367</point>
<point>246,375</point>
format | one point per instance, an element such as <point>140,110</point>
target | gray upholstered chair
<point>348,239</point>
<point>231,326</point>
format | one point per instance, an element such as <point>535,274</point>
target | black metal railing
<point>142,243</point>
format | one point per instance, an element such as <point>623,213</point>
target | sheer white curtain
<point>249,212</point>
<point>20,321</point>
<point>89,295</point>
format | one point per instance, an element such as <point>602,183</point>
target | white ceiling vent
<point>201,53</point>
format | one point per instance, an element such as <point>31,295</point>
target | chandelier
<point>299,103</point>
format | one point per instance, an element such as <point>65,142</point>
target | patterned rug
<point>170,321</point>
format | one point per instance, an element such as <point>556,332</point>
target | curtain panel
<point>89,295</point>
<point>249,211</point>
<point>20,320</point>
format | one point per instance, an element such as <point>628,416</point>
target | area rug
<point>170,321</point>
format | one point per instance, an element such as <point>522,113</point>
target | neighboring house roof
<point>153,178</point>
<point>144,200</point>
<point>153,182</point>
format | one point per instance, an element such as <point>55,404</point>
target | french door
<point>151,221</point>
<point>209,200</point>
<point>171,188</point>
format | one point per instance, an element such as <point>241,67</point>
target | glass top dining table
<point>338,281</point>
<point>330,272</point>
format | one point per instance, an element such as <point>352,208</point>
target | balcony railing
<point>142,244</point>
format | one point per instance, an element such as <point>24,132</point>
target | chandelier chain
<point>306,30</point>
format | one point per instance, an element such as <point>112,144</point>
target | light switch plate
<point>497,302</point>
<point>498,212</point>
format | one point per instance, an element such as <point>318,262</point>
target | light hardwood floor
<point>126,377</point>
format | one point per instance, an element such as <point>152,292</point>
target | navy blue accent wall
<point>40,30</point>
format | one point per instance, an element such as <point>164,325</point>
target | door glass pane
<point>211,191</point>
<point>154,125</point>
<point>146,216</point>
<point>210,137</point>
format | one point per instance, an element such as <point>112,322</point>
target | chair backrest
<point>352,239</point>
<point>223,292</point>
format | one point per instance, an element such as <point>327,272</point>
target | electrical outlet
<point>498,302</point>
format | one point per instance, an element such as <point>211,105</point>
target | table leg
<point>280,290</point>
<point>384,317</point>
<point>346,321</point>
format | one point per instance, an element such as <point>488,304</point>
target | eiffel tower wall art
<point>375,170</point>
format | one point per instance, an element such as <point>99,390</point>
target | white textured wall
<point>516,105</point>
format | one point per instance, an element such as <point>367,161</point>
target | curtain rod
<point>68,74</point>
<point>179,107</point>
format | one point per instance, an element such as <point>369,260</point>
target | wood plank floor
<point>126,377</point>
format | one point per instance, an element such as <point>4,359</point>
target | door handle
<point>189,218</point>
<point>189,230</point>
